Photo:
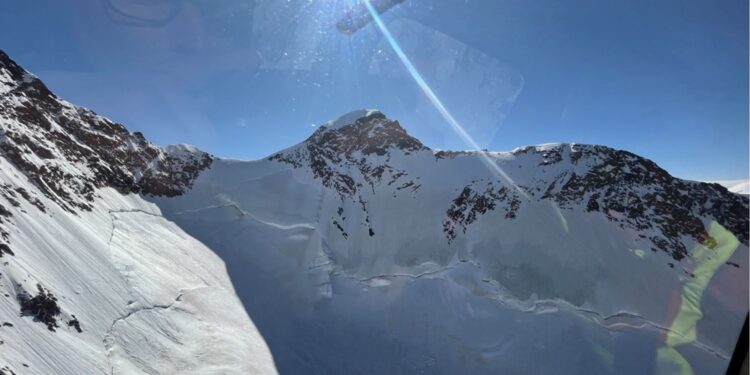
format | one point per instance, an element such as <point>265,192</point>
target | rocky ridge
<point>68,152</point>
<point>629,190</point>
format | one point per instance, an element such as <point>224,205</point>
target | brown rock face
<point>328,149</point>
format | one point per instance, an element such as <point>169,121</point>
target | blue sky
<point>667,79</point>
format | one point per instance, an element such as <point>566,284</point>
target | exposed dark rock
<point>75,324</point>
<point>551,155</point>
<point>4,220</point>
<point>475,201</point>
<point>447,154</point>
<point>405,185</point>
<point>4,211</point>
<point>33,200</point>
<point>43,307</point>
<point>340,228</point>
<point>5,249</point>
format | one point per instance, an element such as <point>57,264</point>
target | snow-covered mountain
<point>93,278</point>
<point>359,250</point>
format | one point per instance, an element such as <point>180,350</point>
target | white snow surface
<point>736,186</point>
<point>150,298</point>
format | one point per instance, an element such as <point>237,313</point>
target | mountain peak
<point>13,78</point>
<point>367,131</point>
<point>352,117</point>
<point>10,68</point>
<point>364,140</point>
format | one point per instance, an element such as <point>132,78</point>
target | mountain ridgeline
<point>630,190</point>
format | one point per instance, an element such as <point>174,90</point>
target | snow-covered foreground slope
<point>93,279</point>
<point>361,250</point>
<point>148,297</point>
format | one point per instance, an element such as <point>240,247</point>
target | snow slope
<point>736,186</point>
<point>360,250</point>
<point>93,278</point>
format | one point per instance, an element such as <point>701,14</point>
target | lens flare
<point>455,125</point>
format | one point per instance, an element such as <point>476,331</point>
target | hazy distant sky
<point>665,79</point>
